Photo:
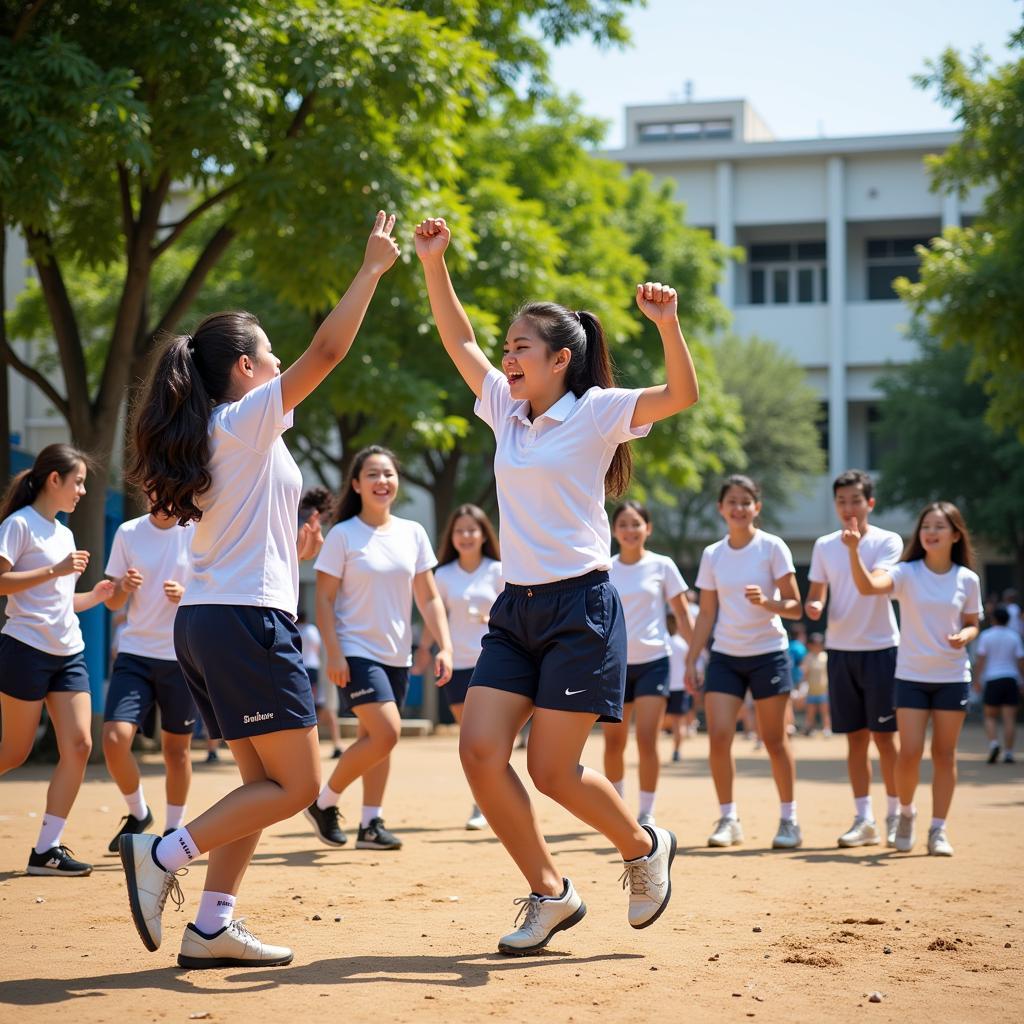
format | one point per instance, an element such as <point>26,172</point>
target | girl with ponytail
<point>41,644</point>
<point>556,642</point>
<point>208,449</point>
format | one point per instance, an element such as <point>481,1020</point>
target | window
<point>781,273</point>
<point>683,131</point>
<point>823,427</point>
<point>889,258</point>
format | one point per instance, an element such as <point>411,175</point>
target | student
<point>680,700</point>
<point>748,581</point>
<point>940,601</point>
<point>149,564</point>
<point>373,564</point>
<point>556,646</point>
<point>816,700</point>
<point>861,641</point>
<point>323,691</point>
<point>41,644</point>
<point>998,667</point>
<point>645,582</point>
<point>469,581</point>
<point>208,447</point>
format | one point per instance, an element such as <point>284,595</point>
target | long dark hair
<point>744,483</point>
<point>27,485</point>
<point>171,452</point>
<point>490,549</point>
<point>631,504</point>
<point>963,551</point>
<point>350,503</point>
<point>590,365</point>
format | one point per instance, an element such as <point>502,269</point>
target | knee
<point>77,748</point>
<point>177,757</point>
<point>479,756</point>
<point>720,740</point>
<point>386,737</point>
<point>306,791</point>
<point>550,779</point>
<point>13,755</point>
<point>885,742</point>
<point>943,757</point>
<point>775,746</point>
<point>115,741</point>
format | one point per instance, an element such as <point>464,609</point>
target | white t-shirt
<point>44,615</point>
<point>743,629</point>
<point>677,651</point>
<point>644,587</point>
<point>468,596</point>
<point>159,555</point>
<point>310,645</point>
<point>376,566</point>
<point>1002,648</point>
<point>550,478</point>
<point>931,608</point>
<point>243,549</point>
<point>856,622</point>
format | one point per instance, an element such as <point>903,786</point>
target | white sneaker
<point>541,917</point>
<point>892,822</point>
<point>232,946</point>
<point>645,819</point>
<point>904,839</point>
<point>938,843</point>
<point>788,837</point>
<point>648,879</point>
<point>476,821</point>
<point>863,832</point>
<point>728,832</point>
<point>148,886</point>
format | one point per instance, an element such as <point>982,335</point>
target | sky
<point>809,67</point>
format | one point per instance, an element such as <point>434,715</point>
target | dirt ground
<point>751,934</point>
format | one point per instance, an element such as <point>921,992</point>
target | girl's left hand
<point>957,640</point>
<point>104,590</point>
<point>754,594</point>
<point>443,667</point>
<point>311,537</point>
<point>657,302</point>
<point>173,591</point>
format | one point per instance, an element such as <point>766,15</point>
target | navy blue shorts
<point>648,680</point>
<point>244,667</point>
<point>932,696</point>
<point>862,690</point>
<point>373,683</point>
<point>138,686</point>
<point>1003,692</point>
<point>680,702</point>
<point>456,688</point>
<point>765,675</point>
<point>561,644</point>
<point>28,673</point>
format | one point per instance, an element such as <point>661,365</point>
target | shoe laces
<point>172,888</point>
<point>237,925</point>
<point>636,876</point>
<point>722,823</point>
<point>529,909</point>
<point>333,815</point>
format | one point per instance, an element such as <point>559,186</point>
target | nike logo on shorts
<point>572,693</point>
<point>963,703</point>
<point>886,718</point>
<point>191,721</point>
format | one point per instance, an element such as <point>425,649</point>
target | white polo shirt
<point>44,615</point>
<point>677,652</point>
<point>310,645</point>
<point>243,549</point>
<point>159,555</point>
<point>931,608</point>
<point>376,566</point>
<point>744,630</point>
<point>644,587</point>
<point>468,597</point>
<point>550,478</point>
<point>1003,649</point>
<point>856,622</point>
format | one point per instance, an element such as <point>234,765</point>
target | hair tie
<point>579,319</point>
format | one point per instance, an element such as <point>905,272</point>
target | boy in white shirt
<point>998,670</point>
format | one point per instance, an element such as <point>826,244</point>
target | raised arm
<point>432,238</point>
<point>868,584</point>
<point>334,338</point>
<point>659,303</point>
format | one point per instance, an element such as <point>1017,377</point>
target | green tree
<point>971,289</point>
<point>943,447</point>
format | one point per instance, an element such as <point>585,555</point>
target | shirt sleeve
<point>706,572</point>
<point>972,594</point>
<point>13,539</point>
<point>898,573</point>
<point>817,572</point>
<point>499,579</point>
<point>982,647</point>
<point>117,563</point>
<point>258,418</point>
<point>495,399</point>
<point>425,558</point>
<point>672,581</point>
<point>331,559</point>
<point>440,579</point>
<point>612,409</point>
<point>890,554</point>
<point>781,559</point>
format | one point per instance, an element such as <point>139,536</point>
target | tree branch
<point>179,228</point>
<point>302,112</point>
<point>12,359</point>
<point>26,19</point>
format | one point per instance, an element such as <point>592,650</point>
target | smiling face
<point>377,483</point>
<point>631,530</point>
<point>533,371</point>
<point>739,508</point>
<point>937,534</point>
<point>467,537</point>
<point>67,491</point>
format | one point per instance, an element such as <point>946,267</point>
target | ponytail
<point>27,485</point>
<point>590,366</point>
<point>171,451</point>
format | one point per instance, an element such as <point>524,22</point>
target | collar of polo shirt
<point>557,412</point>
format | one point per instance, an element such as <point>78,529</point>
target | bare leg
<point>649,713</point>
<point>380,725</point>
<point>71,714</point>
<point>117,752</point>
<point>991,723</point>
<point>20,720</point>
<point>885,744</point>
<point>1009,726</point>
<point>771,721</point>
<point>721,710</point>
<point>858,762</point>
<point>946,726</point>
<point>178,763</point>
<point>913,724</point>
<point>616,736</point>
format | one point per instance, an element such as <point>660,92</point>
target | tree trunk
<point>5,394</point>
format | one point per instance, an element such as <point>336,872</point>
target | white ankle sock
<point>215,911</point>
<point>863,806</point>
<point>892,805</point>
<point>647,802</point>
<point>137,806</point>
<point>175,816</point>
<point>728,811</point>
<point>619,787</point>
<point>327,798</point>
<point>993,744</point>
<point>176,850</point>
<point>937,823</point>
<point>787,811</point>
<point>50,832</point>
<point>908,809</point>
<point>369,813</point>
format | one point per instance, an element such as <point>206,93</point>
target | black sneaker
<point>212,757</point>
<point>336,753</point>
<point>376,837</point>
<point>993,753</point>
<point>325,825</point>
<point>131,826</point>
<point>57,861</point>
